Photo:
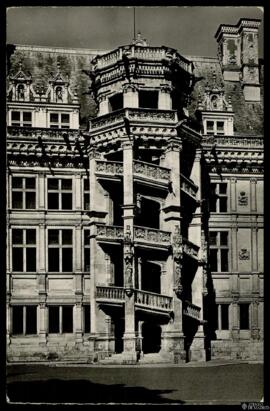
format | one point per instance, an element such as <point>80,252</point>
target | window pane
<point>54,319</point>
<point>17,182</point>
<point>223,238</point>
<point>31,319</point>
<point>17,259</point>
<point>66,237</point>
<point>27,116</point>
<point>224,316</point>
<point>220,125</point>
<point>67,319</point>
<point>65,118</point>
<point>213,237</point>
<point>66,201</point>
<point>52,184</point>
<point>223,204</point>
<point>86,184</point>
<point>67,260</point>
<point>15,115</point>
<point>30,183</point>
<point>223,188</point>
<point>30,236</point>
<point>244,316</point>
<point>53,237</point>
<point>210,125</point>
<point>31,259</point>
<point>213,260</point>
<point>53,201</point>
<point>54,260</point>
<point>17,320</point>
<point>17,236</point>
<point>54,126</point>
<point>17,199</point>
<point>86,315</point>
<point>86,202</point>
<point>87,260</point>
<point>224,260</point>
<point>67,184</point>
<point>86,235</point>
<point>30,200</point>
<point>54,117</point>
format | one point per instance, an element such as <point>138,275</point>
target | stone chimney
<point>238,55</point>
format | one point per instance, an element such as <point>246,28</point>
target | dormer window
<point>214,127</point>
<point>59,120</point>
<point>21,118</point>
<point>20,92</point>
<point>59,94</point>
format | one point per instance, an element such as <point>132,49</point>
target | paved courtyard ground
<point>230,383</point>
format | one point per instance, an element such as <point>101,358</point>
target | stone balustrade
<point>134,115</point>
<point>188,186</point>
<point>191,310</point>
<point>152,235</point>
<point>110,232</point>
<point>109,167</point>
<point>190,248</point>
<point>153,300</point>
<point>110,293</point>
<point>151,171</point>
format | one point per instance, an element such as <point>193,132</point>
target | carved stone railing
<point>234,141</point>
<point>110,232</point>
<point>153,300</point>
<point>34,132</point>
<point>110,293</point>
<point>151,171</point>
<point>109,167</point>
<point>190,248</point>
<point>191,310</point>
<point>188,186</point>
<point>152,236</point>
<point>155,116</point>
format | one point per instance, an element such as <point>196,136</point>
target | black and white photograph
<point>134,205</point>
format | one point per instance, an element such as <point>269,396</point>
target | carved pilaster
<point>177,248</point>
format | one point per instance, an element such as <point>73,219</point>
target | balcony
<point>143,299</point>
<point>191,310</point>
<point>188,187</point>
<point>191,249</point>
<point>114,295</point>
<point>136,116</point>
<point>110,233</point>
<point>148,300</point>
<point>109,169</point>
<point>151,237</point>
<point>151,172</point>
<point>47,133</point>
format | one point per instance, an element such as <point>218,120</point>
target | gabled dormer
<point>20,86</point>
<point>214,110</point>
<point>28,105</point>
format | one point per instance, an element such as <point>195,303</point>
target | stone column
<point>41,191</point>
<point>235,319</point>
<point>255,330</point>
<point>253,194</point>
<point>41,282</point>
<point>128,218</point>
<point>164,98</point>
<point>103,107</point>
<point>233,194</point>
<point>78,192</point>
<point>78,322</point>
<point>172,345</point>
<point>197,349</point>
<point>130,96</point>
<point>78,284</point>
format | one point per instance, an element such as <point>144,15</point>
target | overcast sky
<point>190,30</point>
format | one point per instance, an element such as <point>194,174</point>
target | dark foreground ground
<point>206,384</point>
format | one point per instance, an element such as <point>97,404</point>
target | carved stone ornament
<point>242,198</point>
<point>177,245</point>
<point>244,254</point>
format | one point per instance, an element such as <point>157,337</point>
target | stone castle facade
<point>134,202</point>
